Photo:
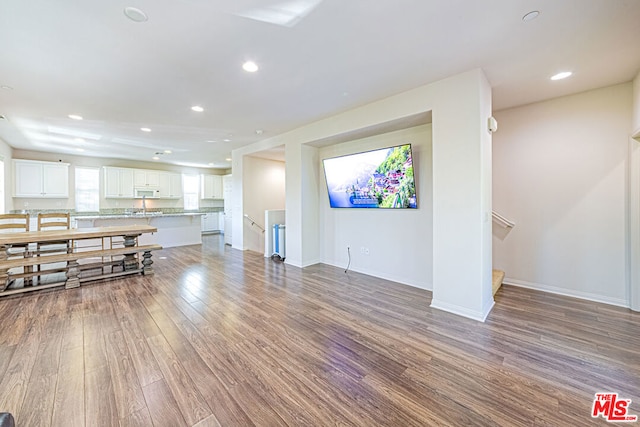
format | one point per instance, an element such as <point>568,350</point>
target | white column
<point>237,205</point>
<point>302,222</point>
<point>293,180</point>
<point>462,197</point>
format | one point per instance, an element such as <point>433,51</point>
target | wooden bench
<point>130,265</point>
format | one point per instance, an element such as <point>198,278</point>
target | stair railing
<point>504,222</point>
<point>254,223</point>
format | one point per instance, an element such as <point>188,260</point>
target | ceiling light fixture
<point>197,108</point>
<point>259,131</point>
<point>531,16</point>
<point>145,129</point>
<point>211,140</point>
<point>226,140</point>
<point>168,151</point>
<point>562,75</point>
<point>135,14</point>
<point>155,158</point>
<point>80,140</point>
<point>81,150</point>
<point>228,159</point>
<point>250,67</point>
<point>75,117</point>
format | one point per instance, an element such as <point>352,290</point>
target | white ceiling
<point>317,58</point>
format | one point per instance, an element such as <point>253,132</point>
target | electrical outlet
<point>366,251</point>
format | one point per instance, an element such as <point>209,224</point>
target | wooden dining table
<point>19,250</point>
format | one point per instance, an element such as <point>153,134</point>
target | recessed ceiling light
<point>228,159</point>
<point>197,108</point>
<point>211,140</point>
<point>135,14</point>
<point>167,151</point>
<point>5,87</point>
<point>226,140</point>
<point>155,158</point>
<point>75,117</point>
<point>562,75</point>
<point>531,16</point>
<point>250,67</point>
<point>145,129</point>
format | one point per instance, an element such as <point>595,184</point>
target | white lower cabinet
<point>210,222</point>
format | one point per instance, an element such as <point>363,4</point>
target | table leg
<point>73,275</point>
<point>4,275</point>
<point>130,261</point>
<point>147,270</point>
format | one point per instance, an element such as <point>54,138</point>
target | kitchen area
<point>182,205</point>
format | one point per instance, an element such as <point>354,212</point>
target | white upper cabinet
<point>118,183</point>
<point>211,187</point>
<point>146,178</point>
<point>41,179</point>
<point>170,185</point>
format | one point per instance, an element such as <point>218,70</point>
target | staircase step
<point>498,277</point>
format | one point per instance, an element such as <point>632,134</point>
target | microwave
<point>144,192</point>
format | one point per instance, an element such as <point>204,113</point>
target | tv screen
<point>374,179</point>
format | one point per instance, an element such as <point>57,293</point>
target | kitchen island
<point>174,229</point>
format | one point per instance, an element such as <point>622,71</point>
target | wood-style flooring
<point>220,337</point>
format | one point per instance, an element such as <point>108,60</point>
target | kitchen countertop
<point>148,215</point>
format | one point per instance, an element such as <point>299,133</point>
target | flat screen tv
<point>373,179</point>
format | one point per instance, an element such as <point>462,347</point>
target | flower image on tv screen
<point>374,179</point>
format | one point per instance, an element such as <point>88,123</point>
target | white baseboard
<point>567,292</point>
<point>480,316</point>
<point>381,275</point>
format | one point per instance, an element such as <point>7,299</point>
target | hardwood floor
<point>219,337</point>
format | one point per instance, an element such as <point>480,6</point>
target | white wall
<point>635,127</point>
<point>264,189</point>
<point>7,179</point>
<point>633,261</point>
<point>400,242</point>
<point>560,172</point>
<point>460,106</point>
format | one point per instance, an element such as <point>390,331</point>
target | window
<point>191,190</point>
<point>87,190</point>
